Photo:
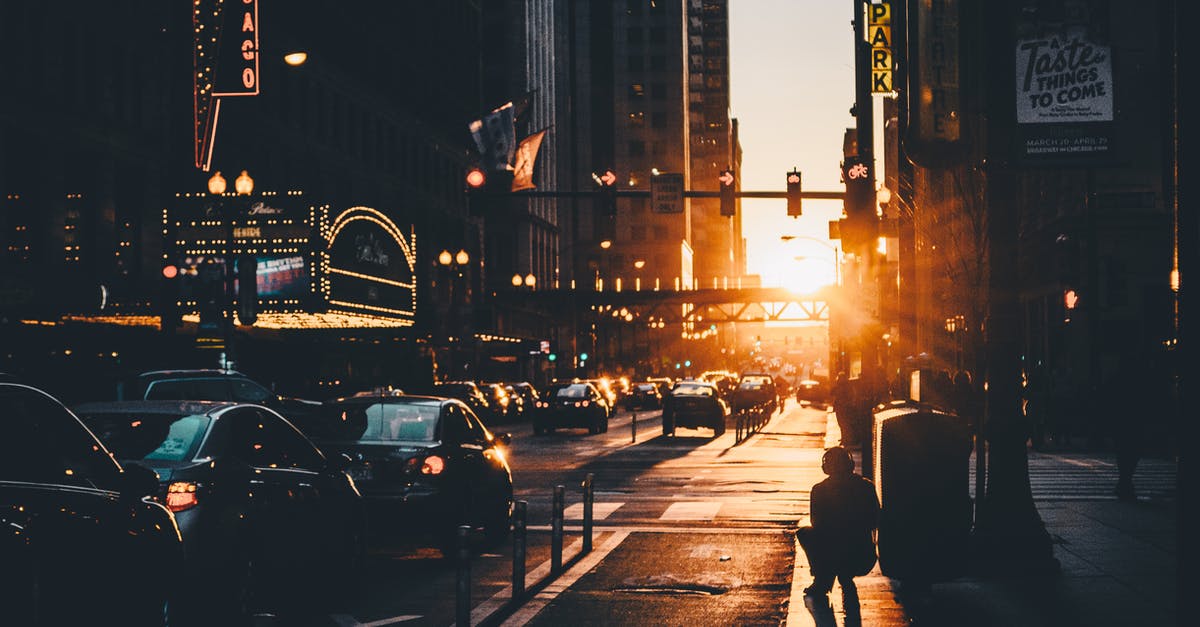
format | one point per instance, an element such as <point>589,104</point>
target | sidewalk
<point>1118,562</point>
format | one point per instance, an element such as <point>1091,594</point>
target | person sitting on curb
<point>840,543</point>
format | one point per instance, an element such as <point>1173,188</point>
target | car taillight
<point>433,465</point>
<point>181,495</point>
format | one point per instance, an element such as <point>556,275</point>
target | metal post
<point>463,589</point>
<point>588,500</point>
<point>633,428</point>
<point>556,533</point>
<point>518,574</point>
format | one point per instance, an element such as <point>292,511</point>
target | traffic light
<point>247,273</point>
<point>606,192</point>
<point>728,192</point>
<point>793,194</point>
<point>861,225</point>
<point>210,292</point>
<point>476,179</point>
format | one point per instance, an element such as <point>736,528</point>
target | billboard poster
<point>1064,80</point>
<point>282,277</point>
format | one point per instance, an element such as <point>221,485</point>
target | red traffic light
<point>170,272</point>
<point>476,178</point>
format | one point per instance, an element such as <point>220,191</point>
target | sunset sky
<point>792,86</point>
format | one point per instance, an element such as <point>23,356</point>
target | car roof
<point>193,372</point>
<point>403,399</point>
<point>158,407</point>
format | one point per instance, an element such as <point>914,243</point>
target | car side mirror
<point>137,482</point>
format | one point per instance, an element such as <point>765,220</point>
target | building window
<point>658,91</point>
<point>637,232</point>
<point>658,119</point>
<point>660,233</point>
<point>634,7</point>
<point>637,118</point>
<point>658,62</point>
<point>635,63</point>
<point>658,35</point>
<point>637,147</point>
<point>637,90</point>
<point>633,35</point>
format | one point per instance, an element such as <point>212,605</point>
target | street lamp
<point>216,184</point>
<point>243,184</point>
<point>295,58</point>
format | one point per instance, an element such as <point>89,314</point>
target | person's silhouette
<point>840,543</point>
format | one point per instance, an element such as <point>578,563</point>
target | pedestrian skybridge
<point>698,306</point>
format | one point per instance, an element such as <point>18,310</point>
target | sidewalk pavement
<point>1118,567</point>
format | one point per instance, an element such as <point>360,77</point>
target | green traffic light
<point>582,356</point>
<point>552,357</point>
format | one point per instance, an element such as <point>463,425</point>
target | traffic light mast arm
<point>636,193</point>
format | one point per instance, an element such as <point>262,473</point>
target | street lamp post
<point>244,186</point>
<point>454,266</point>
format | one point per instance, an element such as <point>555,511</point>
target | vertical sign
<point>238,71</point>
<point>879,35</point>
<point>1064,81</point>
<point>933,91</point>
<point>666,193</point>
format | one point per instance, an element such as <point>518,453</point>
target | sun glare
<point>806,275</point>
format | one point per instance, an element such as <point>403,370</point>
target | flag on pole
<point>495,136</point>
<point>526,158</point>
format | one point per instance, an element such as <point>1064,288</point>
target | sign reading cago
<point>666,193</point>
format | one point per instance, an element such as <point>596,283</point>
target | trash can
<point>922,460</point>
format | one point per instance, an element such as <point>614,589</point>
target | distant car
<point>516,403</point>
<point>267,520</point>
<point>645,396</point>
<point>424,465</point>
<point>467,392</point>
<point>756,388</point>
<point>82,538</point>
<point>664,384</point>
<point>528,394</point>
<point>575,405</point>
<point>695,404</point>
<point>814,392</point>
<point>498,402</point>
<point>606,388</point>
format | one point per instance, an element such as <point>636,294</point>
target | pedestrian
<point>843,400</point>
<point>840,542</point>
<point>1142,396</point>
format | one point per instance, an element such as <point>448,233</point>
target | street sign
<point>728,193</point>
<point>879,36</point>
<point>666,193</point>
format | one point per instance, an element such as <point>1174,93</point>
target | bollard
<point>463,588</point>
<point>633,426</point>
<point>556,531</point>
<point>518,574</point>
<point>588,499</point>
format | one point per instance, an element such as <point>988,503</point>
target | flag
<point>495,136</point>
<point>526,158</point>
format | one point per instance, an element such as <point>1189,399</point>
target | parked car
<point>645,396</point>
<point>83,540</point>
<point>467,392</point>
<point>695,404</point>
<point>267,520</point>
<point>423,464</point>
<point>575,405</point>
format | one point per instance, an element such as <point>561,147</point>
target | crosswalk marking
<point>600,511</point>
<point>693,510</point>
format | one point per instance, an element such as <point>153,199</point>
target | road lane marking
<point>346,620</point>
<point>565,581</point>
<point>600,511</point>
<point>695,510</point>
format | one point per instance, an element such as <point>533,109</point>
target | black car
<point>203,384</point>
<point>528,394</point>
<point>499,404</point>
<point>423,464</point>
<point>756,388</point>
<point>82,540</point>
<point>574,405</point>
<point>694,404</point>
<point>267,519</point>
<point>467,392</point>
<point>813,392</point>
<point>644,396</point>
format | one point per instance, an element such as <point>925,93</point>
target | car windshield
<point>384,422</point>
<point>145,436</point>
<point>578,390</point>
<point>692,390</point>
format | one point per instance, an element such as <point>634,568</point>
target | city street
<point>690,530</point>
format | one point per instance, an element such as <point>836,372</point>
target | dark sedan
<point>267,520</point>
<point>423,464</point>
<point>81,538</point>
<point>467,392</point>
<point>695,404</point>
<point>644,396</point>
<point>575,405</point>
